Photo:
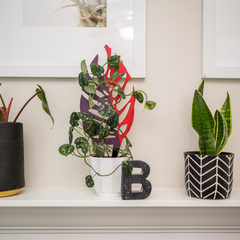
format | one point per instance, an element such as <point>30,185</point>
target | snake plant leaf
<point>86,117</point>
<point>201,87</point>
<point>226,112</point>
<point>42,97</point>
<point>89,181</point>
<point>149,105</point>
<point>66,149</point>
<point>204,124</point>
<point>113,121</point>
<point>127,167</point>
<point>104,132</point>
<point>138,96</point>
<point>84,66</point>
<point>113,61</point>
<point>106,110</point>
<point>81,142</point>
<point>97,70</point>
<point>82,79</point>
<point>74,119</point>
<point>220,135</point>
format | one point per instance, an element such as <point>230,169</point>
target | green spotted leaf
<point>66,149</point>
<point>89,181</point>
<point>113,121</point>
<point>113,61</point>
<point>81,142</point>
<point>97,70</point>
<point>74,119</point>
<point>82,79</point>
<point>104,133</point>
<point>121,93</point>
<point>138,96</point>
<point>149,105</point>
<point>127,167</point>
<point>106,110</point>
<point>85,116</point>
<point>94,128</point>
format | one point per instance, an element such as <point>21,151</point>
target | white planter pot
<point>109,186</point>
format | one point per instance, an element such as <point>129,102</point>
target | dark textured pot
<point>11,158</point>
<point>209,176</point>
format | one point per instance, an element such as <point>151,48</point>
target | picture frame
<point>221,37</point>
<point>40,51</point>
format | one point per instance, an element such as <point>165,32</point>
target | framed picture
<point>50,38</point>
<point>221,38</point>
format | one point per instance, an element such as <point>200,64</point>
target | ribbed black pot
<point>209,176</point>
<point>11,156</point>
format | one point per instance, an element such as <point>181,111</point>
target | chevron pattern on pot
<point>208,176</point>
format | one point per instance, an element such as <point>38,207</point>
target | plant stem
<point>26,105</point>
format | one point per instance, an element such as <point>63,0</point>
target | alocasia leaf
<point>42,97</point>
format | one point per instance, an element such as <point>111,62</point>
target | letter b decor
<point>129,179</point>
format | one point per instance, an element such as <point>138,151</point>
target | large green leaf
<point>203,123</point>
<point>42,97</point>
<point>226,112</point>
<point>220,135</point>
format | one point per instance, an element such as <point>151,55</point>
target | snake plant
<point>213,131</point>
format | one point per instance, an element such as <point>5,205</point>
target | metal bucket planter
<point>107,186</point>
<point>11,158</point>
<point>209,176</point>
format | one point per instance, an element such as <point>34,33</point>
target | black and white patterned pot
<point>209,176</point>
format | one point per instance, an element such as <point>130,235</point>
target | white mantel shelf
<point>75,214</point>
<point>173,197</point>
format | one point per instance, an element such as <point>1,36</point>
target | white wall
<point>159,137</point>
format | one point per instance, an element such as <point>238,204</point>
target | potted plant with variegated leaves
<point>209,171</point>
<point>11,146</point>
<point>99,128</point>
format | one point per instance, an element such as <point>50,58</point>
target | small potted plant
<point>209,171</point>
<point>101,141</point>
<point>11,146</point>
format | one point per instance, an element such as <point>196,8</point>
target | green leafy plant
<point>5,110</point>
<point>213,131</point>
<point>98,125</point>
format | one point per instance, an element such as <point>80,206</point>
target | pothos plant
<point>213,131</point>
<point>98,124</point>
<point>5,110</point>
